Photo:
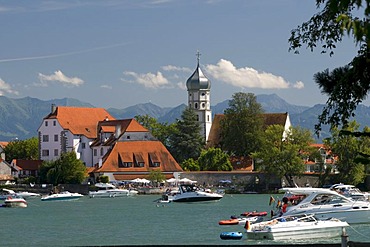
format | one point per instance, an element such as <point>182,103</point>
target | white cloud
<point>246,77</point>
<point>149,80</point>
<point>298,85</point>
<point>175,68</point>
<point>5,88</point>
<point>106,86</point>
<point>58,76</point>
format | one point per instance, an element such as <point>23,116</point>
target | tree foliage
<point>22,149</point>
<point>283,157</point>
<point>190,165</point>
<point>156,176</point>
<point>349,85</point>
<point>186,141</point>
<point>161,131</point>
<point>65,170</point>
<point>214,159</point>
<point>242,127</point>
<point>348,149</point>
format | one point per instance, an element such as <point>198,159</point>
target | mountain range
<point>20,118</point>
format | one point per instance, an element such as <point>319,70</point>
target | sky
<point>119,53</point>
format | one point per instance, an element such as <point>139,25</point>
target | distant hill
<point>20,118</point>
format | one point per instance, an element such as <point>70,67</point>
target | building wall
<point>5,169</point>
<point>50,139</point>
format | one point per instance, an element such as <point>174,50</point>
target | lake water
<point>135,221</point>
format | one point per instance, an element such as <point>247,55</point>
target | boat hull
<point>115,193</point>
<point>294,233</point>
<point>231,235</point>
<point>15,203</point>
<point>196,199</point>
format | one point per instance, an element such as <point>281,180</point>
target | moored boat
<point>240,220</point>
<point>62,196</point>
<point>15,202</point>
<point>192,193</point>
<point>326,203</point>
<point>295,227</point>
<point>109,190</point>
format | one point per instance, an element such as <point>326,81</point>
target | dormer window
<point>46,123</point>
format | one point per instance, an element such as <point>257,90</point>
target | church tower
<point>199,92</point>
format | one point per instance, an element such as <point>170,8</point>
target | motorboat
<point>351,191</point>
<point>295,227</point>
<point>62,196</point>
<point>15,202</point>
<point>192,193</point>
<point>23,194</point>
<point>109,190</point>
<point>326,203</point>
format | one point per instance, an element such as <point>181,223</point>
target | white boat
<point>109,190</point>
<point>326,203</point>
<point>15,202</point>
<point>295,228</point>
<point>192,193</point>
<point>351,191</point>
<point>23,194</point>
<point>62,196</point>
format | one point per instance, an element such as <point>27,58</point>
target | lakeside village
<point>122,150</point>
<point>121,154</point>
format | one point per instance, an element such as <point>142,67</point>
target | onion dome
<point>198,81</point>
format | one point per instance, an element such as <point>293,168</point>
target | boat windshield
<point>323,199</point>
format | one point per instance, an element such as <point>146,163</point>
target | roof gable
<point>80,120</point>
<point>139,151</point>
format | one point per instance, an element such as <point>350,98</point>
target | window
<point>45,153</point>
<point>101,151</point>
<point>140,164</point>
<point>95,152</point>
<point>56,152</point>
<point>46,123</point>
<point>127,164</point>
<point>196,105</point>
<point>203,105</point>
<point>208,118</point>
<point>54,123</point>
<point>45,138</point>
<point>56,138</point>
<point>156,164</point>
<point>83,145</point>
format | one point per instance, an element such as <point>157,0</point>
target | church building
<point>199,99</point>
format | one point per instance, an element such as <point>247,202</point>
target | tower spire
<point>198,56</point>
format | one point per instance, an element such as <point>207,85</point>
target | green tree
<point>349,85</point>
<point>190,165</point>
<point>242,127</point>
<point>22,149</point>
<point>214,159</point>
<point>283,157</point>
<point>347,148</point>
<point>156,176</point>
<point>161,131</point>
<point>186,141</point>
<point>65,170</point>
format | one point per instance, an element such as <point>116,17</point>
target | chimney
<point>118,131</point>
<point>3,156</point>
<point>100,162</point>
<point>53,108</point>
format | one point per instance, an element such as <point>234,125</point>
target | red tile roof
<point>3,144</point>
<point>30,165</point>
<point>80,120</point>
<point>141,151</point>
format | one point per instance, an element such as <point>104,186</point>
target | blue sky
<point>117,53</point>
